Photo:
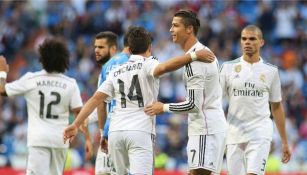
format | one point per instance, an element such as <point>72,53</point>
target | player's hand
<point>205,55</point>
<point>154,109</point>
<point>3,65</point>
<point>83,127</point>
<point>104,145</point>
<point>70,132</point>
<point>286,153</point>
<point>88,149</point>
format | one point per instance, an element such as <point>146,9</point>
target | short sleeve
<point>76,100</point>
<point>223,80</point>
<point>150,65</point>
<point>195,76</point>
<point>275,90</point>
<point>107,88</point>
<point>20,86</point>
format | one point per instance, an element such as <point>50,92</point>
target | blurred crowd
<point>25,24</point>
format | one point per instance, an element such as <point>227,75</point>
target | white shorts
<point>131,152</point>
<point>206,152</point>
<point>249,157</point>
<point>102,164</point>
<point>46,161</point>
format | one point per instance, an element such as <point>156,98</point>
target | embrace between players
<point>131,89</point>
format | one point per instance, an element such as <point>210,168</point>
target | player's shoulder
<point>153,58</point>
<point>231,63</point>
<point>269,66</point>
<point>235,61</point>
<point>31,75</point>
<point>120,56</point>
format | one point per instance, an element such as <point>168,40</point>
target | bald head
<point>254,28</point>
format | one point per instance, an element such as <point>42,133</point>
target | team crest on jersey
<point>238,68</point>
<point>262,78</point>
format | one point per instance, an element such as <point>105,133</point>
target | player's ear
<point>262,42</point>
<point>113,49</point>
<point>189,29</point>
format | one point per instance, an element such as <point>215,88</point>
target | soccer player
<point>50,96</point>
<point>206,120</point>
<point>105,47</point>
<point>133,85</point>
<point>252,86</point>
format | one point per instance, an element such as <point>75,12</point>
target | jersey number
<point>135,84</point>
<point>42,104</point>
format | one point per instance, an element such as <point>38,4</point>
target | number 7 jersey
<point>49,97</point>
<point>133,86</point>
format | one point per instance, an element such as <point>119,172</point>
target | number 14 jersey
<point>133,86</point>
<point>49,97</point>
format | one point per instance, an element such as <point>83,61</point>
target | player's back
<point>113,63</point>
<point>49,99</point>
<point>134,88</point>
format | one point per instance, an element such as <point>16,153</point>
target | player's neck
<point>251,58</point>
<point>186,46</point>
<point>126,50</point>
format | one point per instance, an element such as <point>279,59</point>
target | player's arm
<point>103,126</point>
<point>4,68</point>
<point>192,104</point>
<point>194,99</point>
<point>86,133</point>
<point>102,115</point>
<point>90,105</point>
<point>279,115</point>
<point>279,118</point>
<point>175,63</point>
<point>223,82</point>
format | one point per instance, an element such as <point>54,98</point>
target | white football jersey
<point>133,86</point>
<point>205,93</point>
<point>49,97</point>
<point>249,89</point>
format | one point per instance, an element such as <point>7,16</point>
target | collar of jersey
<point>45,72</point>
<point>247,63</point>
<point>135,57</point>
<point>194,47</point>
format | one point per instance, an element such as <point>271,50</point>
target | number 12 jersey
<point>49,97</point>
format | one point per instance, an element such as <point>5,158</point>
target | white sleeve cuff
<point>166,108</point>
<point>3,74</point>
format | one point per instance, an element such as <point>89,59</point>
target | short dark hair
<point>126,36</point>
<point>54,56</point>
<point>189,18</point>
<point>254,28</point>
<point>139,40</point>
<point>109,36</point>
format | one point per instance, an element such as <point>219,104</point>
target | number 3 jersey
<point>133,86</point>
<point>49,97</point>
<point>249,88</point>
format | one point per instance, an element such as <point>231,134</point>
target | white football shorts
<point>249,157</point>
<point>131,152</point>
<point>46,161</point>
<point>102,164</point>
<point>206,151</point>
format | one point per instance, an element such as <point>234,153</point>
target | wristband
<point>166,108</point>
<point>101,132</point>
<point>3,74</point>
<point>193,56</point>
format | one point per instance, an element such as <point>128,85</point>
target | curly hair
<point>54,56</point>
